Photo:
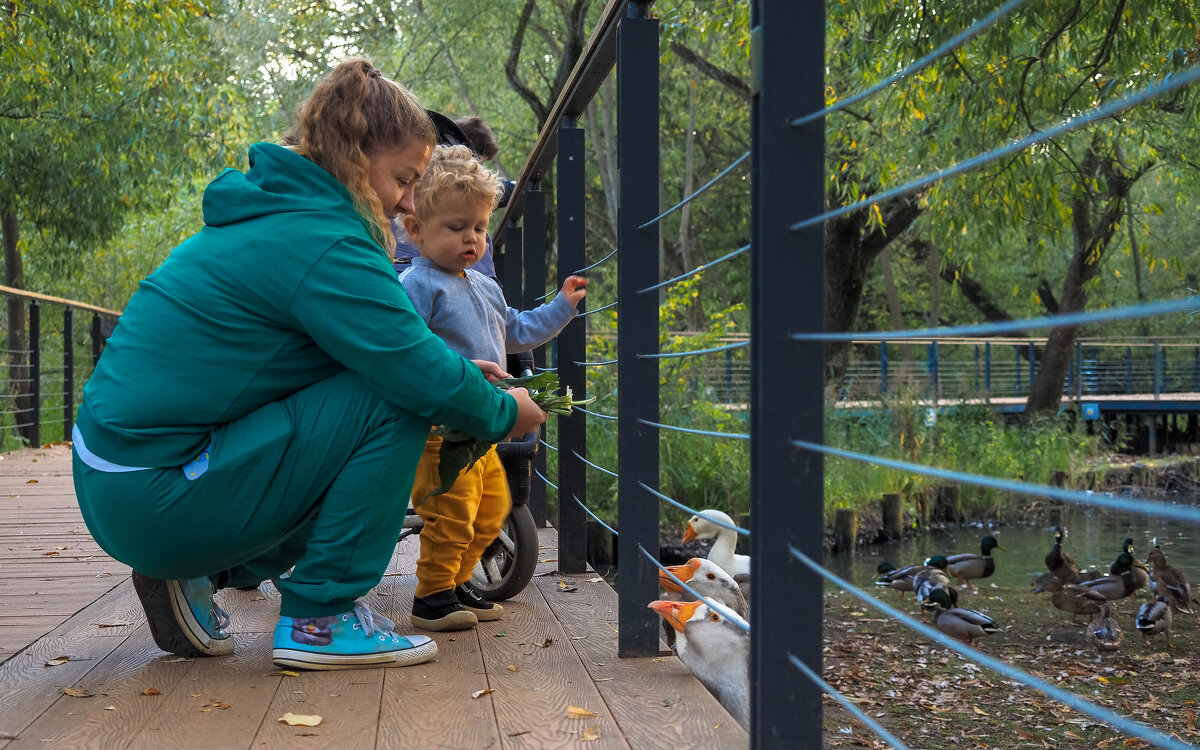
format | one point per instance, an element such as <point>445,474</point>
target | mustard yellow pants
<point>460,523</point>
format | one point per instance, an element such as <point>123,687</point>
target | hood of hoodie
<point>279,181</point>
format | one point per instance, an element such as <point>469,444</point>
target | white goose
<point>712,643</point>
<point>709,580</point>
<point>701,526</point>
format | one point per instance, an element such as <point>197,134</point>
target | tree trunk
<point>18,342</point>
<point>893,301</point>
<point>1091,239</point>
<point>850,250</point>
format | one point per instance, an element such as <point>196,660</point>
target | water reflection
<point>1094,539</point>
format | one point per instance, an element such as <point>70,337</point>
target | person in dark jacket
<point>268,391</point>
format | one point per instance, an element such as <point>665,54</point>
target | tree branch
<point>731,82</point>
<point>510,67</point>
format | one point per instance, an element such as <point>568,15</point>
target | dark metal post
<point>1157,373</point>
<point>883,367</point>
<point>511,271</point>
<point>68,372</point>
<point>637,327</point>
<point>1032,364</point>
<point>987,367</point>
<point>572,349</point>
<point>1017,369</point>
<point>1078,368</point>
<point>97,340</point>
<point>933,368</point>
<point>787,295</point>
<point>35,372</point>
<point>976,367</point>
<point>1196,369</point>
<point>533,256</point>
<point>1129,369</point>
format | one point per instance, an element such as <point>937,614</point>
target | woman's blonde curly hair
<point>350,116</point>
<point>453,169</point>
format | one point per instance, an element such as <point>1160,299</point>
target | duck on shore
<point>1123,583</point>
<point>1155,617</point>
<point>1170,582</point>
<point>901,579</point>
<point>963,624</point>
<point>968,565</point>
<point>1105,632</point>
<point>1073,598</point>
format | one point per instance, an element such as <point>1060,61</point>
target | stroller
<point>509,562</point>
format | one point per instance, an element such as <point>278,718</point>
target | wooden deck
<point>556,647</point>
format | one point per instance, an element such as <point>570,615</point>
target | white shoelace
<point>370,621</point>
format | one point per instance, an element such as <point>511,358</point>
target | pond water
<point>1094,539</point>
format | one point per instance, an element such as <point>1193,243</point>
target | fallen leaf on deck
<point>282,673</point>
<point>32,481</point>
<point>76,693</point>
<point>602,679</point>
<point>589,734</point>
<point>575,712</point>
<point>501,634</point>
<point>597,579</point>
<point>658,659</point>
<point>549,559</point>
<point>513,668</point>
<point>299,720</point>
<point>151,691</point>
<point>49,554</point>
<point>61,548</point>
<point>545,644</point>
<point>112,624</point>
<point>110,708</point>
<point>478,693</point>
<point>56,661</point>
<point>172,661</point>
<point>221,705</point>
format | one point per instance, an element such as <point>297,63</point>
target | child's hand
<point>574,289</point>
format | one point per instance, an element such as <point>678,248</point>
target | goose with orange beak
<point>713,524</point>
<point>714,643</point>
<point>707,579</point>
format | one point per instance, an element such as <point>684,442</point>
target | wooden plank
<point>347,701</point>
<point>418,700</point>
<point>533,709</point>
<point>117,707</point>
<point>191,714</point>
<point>656,702</point>
<point>28,687</point>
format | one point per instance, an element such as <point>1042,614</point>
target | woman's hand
<point>491,370</point>
<point>529,415</point>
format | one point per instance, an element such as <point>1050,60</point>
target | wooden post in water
<point>845,528</point>
<point>893,514</point>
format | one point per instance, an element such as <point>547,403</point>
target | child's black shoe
<point>441,611</point>
<point>484,610</point>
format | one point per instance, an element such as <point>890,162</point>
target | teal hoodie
<point>282,288</point>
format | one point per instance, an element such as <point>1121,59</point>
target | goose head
<point>701,526</point>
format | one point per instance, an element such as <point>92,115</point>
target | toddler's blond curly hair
<point>452,169</point>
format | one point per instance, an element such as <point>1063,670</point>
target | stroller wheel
<point>508,563</point>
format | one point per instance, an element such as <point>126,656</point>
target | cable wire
<point>692,197</point>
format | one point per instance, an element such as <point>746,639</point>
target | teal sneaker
<point>354,639</point>
<point>183,617</point>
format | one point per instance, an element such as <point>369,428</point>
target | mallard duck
<point>1073,598</point>
<point>1122,584</point>
<point>716,648</point>
<point>701,526</point>
<point>966,566</point>
<point>1105,632</point>
<point>963,624</point>
<point>707,579</point>
<point>1155,617</point>
<point>1059,563</point>
<point>1126,548</point>
<point>926,581</point>
<point>1170,582</point>
<point>901,579</point>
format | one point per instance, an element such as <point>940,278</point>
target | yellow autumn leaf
<point>282,673</point>
<point>1105,743</point>
<point>299,720</point>
<point>575,712</point>
<point>979,711</point>
<point>479,693</point>
<point>1072,735</point>
<point>589,734</point>
<point>76,693</point>
<point>58,660</point>
<point>151,691</point>
<point>513,668</point>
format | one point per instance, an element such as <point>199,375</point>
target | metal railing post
<point>1157,372</point>
<point>786,297</point>
<point>883,367</point>
<point>1032,364</point>
<point>533,259</point>
<point>987,367</point>
<point>572,348</point>
<point>97,340</point>
<point>511,272</point>
<point>68,371</point>
<point>1129,369</point>
<point>35,372</point>
<point>637,326</point>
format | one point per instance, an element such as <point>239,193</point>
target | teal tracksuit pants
<point>319,480</point>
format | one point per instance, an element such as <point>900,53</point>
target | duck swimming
<point>701,526</point>
<point>712,643</point>
<point>966,566</point>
